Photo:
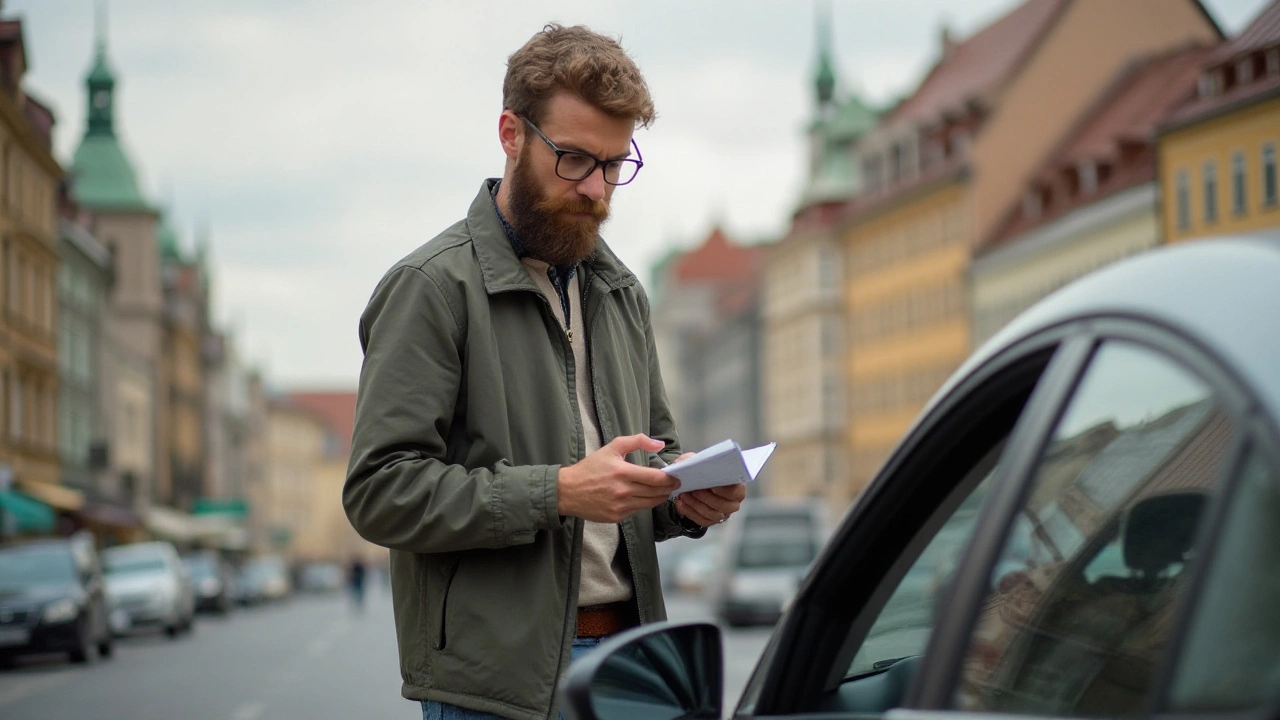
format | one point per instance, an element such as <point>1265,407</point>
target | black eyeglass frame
<point>638,160</point>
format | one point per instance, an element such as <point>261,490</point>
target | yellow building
<point>29,183</point>
<point>803,308</point>
<point>283,511</point>
<point>943,169</point>
<point>1218,153</point>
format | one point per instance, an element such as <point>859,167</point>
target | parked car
<point>51,600</point>
<point>263,579</point>
<point>148,587</point>
<point>213,579</point>
<point>1083,522</point>
<point>767,549</point>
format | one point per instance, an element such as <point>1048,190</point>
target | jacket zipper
<point>595,403</point>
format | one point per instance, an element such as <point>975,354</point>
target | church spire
<point>101,82</point>
<point>824,81</point>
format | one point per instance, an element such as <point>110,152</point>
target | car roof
<point>1217,292</point>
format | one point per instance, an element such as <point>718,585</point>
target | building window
<point>1244,71</point>
<point>1210,192</point>
<point>1239,199</point>
<point>1183,191</point>
<point>1088,177</point>
<point>1273,61</point>
<point>16,409</point>
<point>1269,174</point>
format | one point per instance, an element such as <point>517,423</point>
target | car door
<point>1040,543</point>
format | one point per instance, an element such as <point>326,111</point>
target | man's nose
<point>593,186</point>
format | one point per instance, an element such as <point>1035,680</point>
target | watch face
<point>100,99</point>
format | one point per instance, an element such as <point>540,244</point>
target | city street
<point>310,657</point>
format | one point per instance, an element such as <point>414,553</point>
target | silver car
<point>1083,523</point>
<point>148,587</point>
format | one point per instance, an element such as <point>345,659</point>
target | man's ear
<point>510,134</point>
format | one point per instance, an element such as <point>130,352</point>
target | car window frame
<point>938,679</point>
<point>779,687</point>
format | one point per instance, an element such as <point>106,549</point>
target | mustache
<point>597,209</point>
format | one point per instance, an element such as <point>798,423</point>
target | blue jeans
<point>432,710</point>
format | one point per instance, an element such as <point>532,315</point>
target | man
<point>511,415</point>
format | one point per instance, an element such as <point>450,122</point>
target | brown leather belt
<point>601,620</point>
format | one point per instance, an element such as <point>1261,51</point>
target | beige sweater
<point>605,576</point>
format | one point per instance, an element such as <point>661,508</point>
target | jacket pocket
<point>449,571</point>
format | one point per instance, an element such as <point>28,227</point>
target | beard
<point>552,229</point>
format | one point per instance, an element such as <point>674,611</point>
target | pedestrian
<point>356,582</point>
<point>511,414</point>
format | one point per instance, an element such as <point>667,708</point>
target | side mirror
<point>654,672</point>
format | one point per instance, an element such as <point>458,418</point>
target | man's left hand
<point>713,505</point>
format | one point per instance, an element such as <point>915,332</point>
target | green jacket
<point>466,412</point>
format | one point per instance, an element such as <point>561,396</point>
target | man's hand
<point>712,505</point>
<point>604,487</point>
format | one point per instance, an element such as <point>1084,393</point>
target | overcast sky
<point>322,140</point>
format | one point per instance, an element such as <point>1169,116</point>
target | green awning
<point>19,513</point>
<point>235,507</point>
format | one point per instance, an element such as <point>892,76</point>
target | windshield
<point>26,567</point>
<point>776,551</point>
<point>133,564</point>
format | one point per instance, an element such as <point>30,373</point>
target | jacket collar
<point>502,270</point>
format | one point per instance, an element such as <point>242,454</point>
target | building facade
<point>708,333</point>
<point>115,211</point>
<point>941,172</point>
<point>283,519</point>
<point>802,308</point>
<point>30,178</point>
<point>1218,162</point>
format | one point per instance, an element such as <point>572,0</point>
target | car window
<point>1083,599</point>
<point>1231,660</point>
<point>902,628</point>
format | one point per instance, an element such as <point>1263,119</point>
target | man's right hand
<point>603,487</point>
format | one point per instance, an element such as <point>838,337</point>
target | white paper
<point>724,463</point>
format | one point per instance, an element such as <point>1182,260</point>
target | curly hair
<point>579,61</point>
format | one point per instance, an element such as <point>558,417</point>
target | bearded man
<point>511,414</point>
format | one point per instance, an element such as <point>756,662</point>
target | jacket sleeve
<point>662,426</point>
<point>401,492</point>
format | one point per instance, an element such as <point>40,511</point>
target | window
<point>16,410</point>
<point>1183,191</point>
<point>903,626</point>
<point>1239,201</point>
<point>1269,174</point>
<point>1082,602</point>
<point>1210,192</point>
<point>1273,61</point>
<point>1088,173</point>
<point>1233,648</point>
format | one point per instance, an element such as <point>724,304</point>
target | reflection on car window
<point>1231,660</point>
<point>1083,602</point>
<point>902,629</point>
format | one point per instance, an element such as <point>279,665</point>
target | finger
<point>695,513</point>
<point>631,443</point>
<point>734,492</point>
<point>685,456</point>
<point>699,501</point>
<point>652,477</point>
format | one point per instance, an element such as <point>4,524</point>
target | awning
<point>19,513</point>
<point>58,496</point>
<point>112,515</point>
<point>170,524</point>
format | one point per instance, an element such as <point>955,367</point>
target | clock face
<point>100,99</point>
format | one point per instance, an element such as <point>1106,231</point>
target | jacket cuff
<point>525,501</point>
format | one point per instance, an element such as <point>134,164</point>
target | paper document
<point>721,464</point>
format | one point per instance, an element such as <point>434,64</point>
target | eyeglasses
<point>576,166</point>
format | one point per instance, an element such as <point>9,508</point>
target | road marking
<point>252,711</point>
<point>27,686</point>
